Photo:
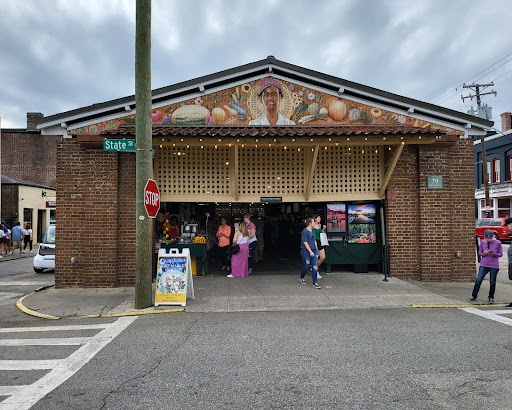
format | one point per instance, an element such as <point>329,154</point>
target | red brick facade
<point>28,155</point>
<point>426,227</point>
<point>10,194</point>
<point>97,206</point>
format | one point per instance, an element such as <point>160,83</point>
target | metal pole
<point>143,156</point>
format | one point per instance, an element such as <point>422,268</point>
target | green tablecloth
<point>339,253</point>
<point>197,250</point>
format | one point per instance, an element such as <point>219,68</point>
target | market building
<point>391,175</point>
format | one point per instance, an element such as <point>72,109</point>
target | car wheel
<point>37,270</point>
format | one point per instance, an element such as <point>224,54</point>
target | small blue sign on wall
<point>434,182</point>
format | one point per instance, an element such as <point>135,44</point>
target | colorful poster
<point>336,218</point>
<point>362,233</point>
<point>172,278</point>
<point>361,214</point>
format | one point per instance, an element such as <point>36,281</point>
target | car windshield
<point>49,235</point>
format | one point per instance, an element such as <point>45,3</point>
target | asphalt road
<point>359,359</point>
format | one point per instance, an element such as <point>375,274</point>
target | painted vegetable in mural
<point>219,115</point>
<point>337,109</point>
<point>190,115</point>
<point>156,116</point>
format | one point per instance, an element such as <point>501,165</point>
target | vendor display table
<point>342,253</point>
<point>197,252</point>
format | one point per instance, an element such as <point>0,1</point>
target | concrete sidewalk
<point>270,292</point>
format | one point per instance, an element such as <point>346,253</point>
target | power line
<point>456,89</point>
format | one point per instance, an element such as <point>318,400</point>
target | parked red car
<point>495,225</point>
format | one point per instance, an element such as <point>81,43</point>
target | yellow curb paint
<point>28,311</point>
<point>148,312</point>
<point>455,306</point>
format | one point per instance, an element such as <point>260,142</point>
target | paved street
<point>386,358</point>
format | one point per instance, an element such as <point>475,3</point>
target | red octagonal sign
<point>151,198</point>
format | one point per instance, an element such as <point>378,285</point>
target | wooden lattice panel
<point>192,173</point>
<point>347,171</point>
<point>271,171</point>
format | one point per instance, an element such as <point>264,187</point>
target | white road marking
<point>26,283</point>
<point>29,364</point>
<point>52,328</point>
<point>64,341</point>
<point>491,314</point>
<point>9,390</point>
<point>24,397</point>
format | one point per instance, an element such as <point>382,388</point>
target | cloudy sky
<point>57,55</point>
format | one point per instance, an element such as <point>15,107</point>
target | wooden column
<point>309,185</point>
<point>391,168</point>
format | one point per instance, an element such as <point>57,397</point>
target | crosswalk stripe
<point>27,396</point>
<point>9,390</point>
<point>490,314</point>
<point>29,364</point>
<point>53,328</point>
<point>66,341</point>
<point>26,283</point>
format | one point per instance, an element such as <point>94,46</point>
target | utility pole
<point>478,94</point>
<point>143,155</point>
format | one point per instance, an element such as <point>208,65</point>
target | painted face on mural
<point>270,98</point>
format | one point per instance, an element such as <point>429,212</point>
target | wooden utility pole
<point>144,154</point>
<point>478,94</point>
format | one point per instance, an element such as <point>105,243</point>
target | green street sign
<point>122,146</point>
<point>119,145</point>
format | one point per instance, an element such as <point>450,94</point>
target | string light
<point>285,147</point>
<point>160,145</point>
<point>298,149</point>
<point>173,145</point>
<point>188,146</point>
<point>336,144</point>
<point>202,146</point>
<point>200,140</point>
<point>256,145</point>
<point>326,148</point>
<point>376,151</point>
<point>215,146</point>
<point>182,140</point>
<point>362,152</point>
<point>329,139</point>
<point>348,139</point>
<point>269,145</point>
<point>242,145</point>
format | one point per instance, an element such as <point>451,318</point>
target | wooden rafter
<point>390,169</point>
<point>309,185</point>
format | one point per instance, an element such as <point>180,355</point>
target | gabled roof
<point>275,67</point>
<point>15,181</point>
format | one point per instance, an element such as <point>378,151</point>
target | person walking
<point>17,238</point>
<point>240,260</point>
<point>490,251</point>
<point>253,241</point>
<point>309,253</point>
<point>4,241</point>
<point>27,237</point>
<point>318,228</point>
<point>508,225</point>
<point>223,234</point>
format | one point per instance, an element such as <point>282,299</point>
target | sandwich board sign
<point>174,277</point>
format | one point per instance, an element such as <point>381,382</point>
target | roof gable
<point>234,91</point>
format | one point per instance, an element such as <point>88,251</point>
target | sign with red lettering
<point>151,198</point>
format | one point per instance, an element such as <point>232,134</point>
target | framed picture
<point>361,214</point>
<point>362,233</point>
<point>336,218</point>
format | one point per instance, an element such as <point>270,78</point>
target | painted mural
<point>268,101</point>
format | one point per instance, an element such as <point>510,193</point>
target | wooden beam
<point>309,186</point>
<point>235,179</point>
<point>390,169</point>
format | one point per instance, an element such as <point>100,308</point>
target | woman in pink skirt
<point>240,260</point>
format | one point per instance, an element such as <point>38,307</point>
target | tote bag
<point>323,239</point>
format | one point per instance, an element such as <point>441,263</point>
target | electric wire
<point>442,98</point>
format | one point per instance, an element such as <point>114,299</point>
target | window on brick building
<point>489,173</point>
<point>504,208</point>
<point>509,167</point>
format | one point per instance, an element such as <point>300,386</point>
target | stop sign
<point>151,198</point>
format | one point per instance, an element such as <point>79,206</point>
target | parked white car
<point>45,257</point>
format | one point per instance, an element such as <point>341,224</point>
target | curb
<point>456,306</point>
<point>30,312</point>
<point>21,306</point>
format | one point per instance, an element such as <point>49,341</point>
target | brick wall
<point>126,221</point>
<point>426,227</point>
<point>9,211</point>
<point>29,156</point>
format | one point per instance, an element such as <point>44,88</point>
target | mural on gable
<point>267,102</point>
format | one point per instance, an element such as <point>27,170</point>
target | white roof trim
<point>493,137</point>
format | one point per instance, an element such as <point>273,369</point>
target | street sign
<point>122,146</point>
<point>119,145</point>
<point>151,198</point>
